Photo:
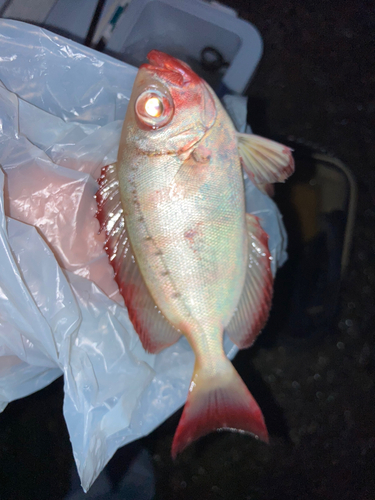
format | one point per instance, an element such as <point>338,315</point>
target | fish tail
<point>218,402</point>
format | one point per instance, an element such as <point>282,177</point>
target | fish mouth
<point>172,72</point>
<point>171,69</point>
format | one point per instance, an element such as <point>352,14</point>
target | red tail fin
<point>215,403</point>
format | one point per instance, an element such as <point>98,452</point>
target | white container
<point>182,28</point>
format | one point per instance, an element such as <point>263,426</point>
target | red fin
<point>253,308</point>
<point>264,160</point>
<point>218,403</point>
<point>153,328</point>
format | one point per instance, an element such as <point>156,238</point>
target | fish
<point>187,258</point>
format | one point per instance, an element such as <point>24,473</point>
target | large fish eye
<point>154,108</point>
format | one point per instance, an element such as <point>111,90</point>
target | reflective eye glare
<point>154,107</point>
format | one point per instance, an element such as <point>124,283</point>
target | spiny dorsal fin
<point>255,302</point>
<point>264,161</point>
<point>153,328</point>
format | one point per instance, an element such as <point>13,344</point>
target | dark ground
<point>316,81</point>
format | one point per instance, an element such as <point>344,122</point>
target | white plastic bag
<point>61,112</point>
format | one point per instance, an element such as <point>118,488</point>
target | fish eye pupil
<point>154,107</point>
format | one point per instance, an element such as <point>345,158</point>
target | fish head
<point>171,108</point>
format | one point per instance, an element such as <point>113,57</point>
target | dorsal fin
<point>153,328</point>
<point>264,161</point>
<point>255,302</point>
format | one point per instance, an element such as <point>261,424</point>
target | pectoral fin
<point>153,328</point>
<point>265,161</point>
<point>255,302</point>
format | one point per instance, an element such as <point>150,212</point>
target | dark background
<point>315,82</point>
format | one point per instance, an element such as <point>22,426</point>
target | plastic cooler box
<point>183,28</point>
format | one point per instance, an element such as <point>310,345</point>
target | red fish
<point>187,258</point>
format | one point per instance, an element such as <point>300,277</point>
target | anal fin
<point>254,305</point>
<point>153,328</point>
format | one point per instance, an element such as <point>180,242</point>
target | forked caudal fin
<point>218,403</point>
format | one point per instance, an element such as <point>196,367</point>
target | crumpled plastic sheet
<point>61,112</point>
